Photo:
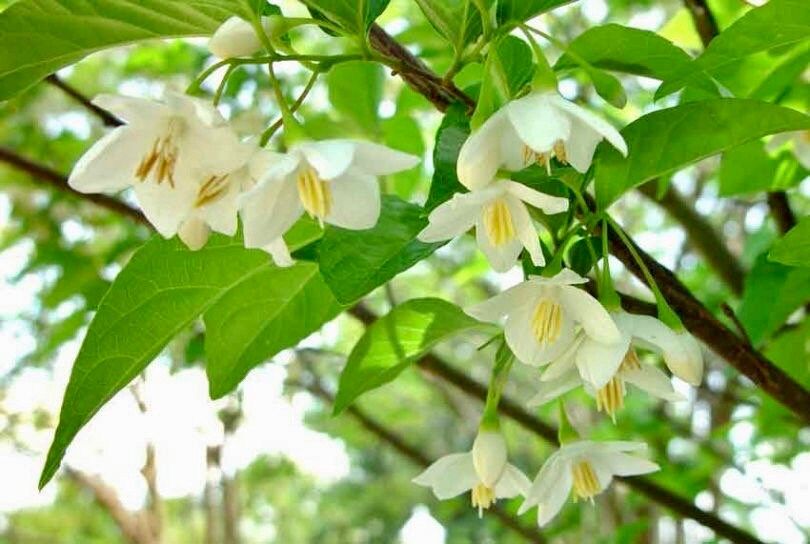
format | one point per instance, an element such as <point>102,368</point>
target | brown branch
<point>701,234</point>
<point>508,407</point>
<point>106,117</point>
<point>705,23</point>
<point>416,456</point>
<point>781,211</point>
<point>60,182</point>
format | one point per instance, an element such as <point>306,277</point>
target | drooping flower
<point>543,316</point>
<point>533,129</point>
<point>801,145</point>
<point>484,471</point>
<point>502,222</point>
<point>185,164</point>
<point>588,468</point>
<point>237,38</point>
<point>334,181</point>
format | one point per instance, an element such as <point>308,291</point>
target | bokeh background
<point>270,463</point>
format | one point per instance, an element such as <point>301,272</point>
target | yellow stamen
<point>610,399</point>
<point>498,223</point>
<point>211,190</point>
<point>631,360</point>
<point>559,152</point>
<point>161,159</point>
<point>482,497</point>
<point>547,321</point>
<point>314,193</point>
<point>586,485</point>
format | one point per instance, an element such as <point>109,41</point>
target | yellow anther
<point>610,399</point>
<point>631,360</point>
<point>314,193</point>
<point>482,497</point>
<point>547,321</point>
<point>586,484</point>
<point>559,152</point>
<point>211,190</point>
<point>161,159</point>
<point>498,223</point>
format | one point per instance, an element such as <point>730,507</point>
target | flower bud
<point>489,456</point>
<point>237,38</point>
<point>686,362</point>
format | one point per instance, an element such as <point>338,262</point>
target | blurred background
<point>163,463</point>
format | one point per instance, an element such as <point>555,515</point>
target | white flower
<point>237,38</point>
<point>587,467</point>
<point>484,470</point>
<point>334,181</point>
<point>182,159</point>
<point>543,316</point>
<point>502,222</point>
<point>532,129</point>
<point>801,145</point>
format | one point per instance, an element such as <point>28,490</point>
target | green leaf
<point>355,90</point>
<point>629,50</point>
<point>748,168</point>
<point>508,69</point>
<point>580,258</point>
<point>667,140</point>
<point>772,292</point>
<point>791,352</point>
<point>162,289</point>
<point>356,16</point>
<point>38,37</point>
<point>452,133</point>
<point>355,262</point>
<point>458,21</point>
<point>794,248</point>
<point>396,340</point>
<point>608,87</point>
<point>519,11</point>
<point>755,41</point>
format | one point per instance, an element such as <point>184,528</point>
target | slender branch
<point>438,367</point>
<point>417,457</point>
<point>701,234</point>
<point>60,182</point>
<point>705,23</point>
<point>106,117</point>
<point>781,211</point>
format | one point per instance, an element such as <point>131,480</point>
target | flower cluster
<point>191,174</point>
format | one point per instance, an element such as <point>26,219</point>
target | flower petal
<point>525,229</point>
<point>110,163</point>
<point>449,476</point>
<point>479,156</point>
<point>580,147</point>
<point>538,122</point>
<point>133,110</point>
<point>234,38</point>
<point>269,210</point>
<point>489,456</point>
<point>554,388</point>
<point>547,203</point>
<point>330,158</point>
<point>454,217</point>
<point>565,362</point>
<point>512,483</point>
<point>165,207</point>
<point>194,233</point>
<point>593,317</point>
<point>494,308</point>
<point>280,253</point>
<point>653,381</point>
<point>681,351</point>
<point>380,160</point>
<point>522,340</point>
<point>547,478</point>
<point>355,201</point>
<point>502,258</point>
<point>622,464</point>
<point>566,276</point>
<point>598,362</point>
<point>593,121</point>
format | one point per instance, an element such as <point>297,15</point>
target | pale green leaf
<point>794,248</point>
<point>458,21</point>
<point>38,37</point>
<point>355,90</point>
<point>667,140</point>
<point>356,16</point>
<point>395,340</point>
<point>518,11</point>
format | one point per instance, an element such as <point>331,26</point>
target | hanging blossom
<point>185,164</point>
<point>503,226</point>
<point>333,181</point>
<point>588,468</point>
<point>484,471</point>
<point>237,37</point>
<point>544,315</point>
<point>801,145</point>
<point>534,129</point>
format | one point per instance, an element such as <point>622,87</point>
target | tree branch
<point>701,234</point>
<point>59,182</point>
<point>705,23</point>
<point>106,117</point>
<point>781,211</point>
<point>434,365</point>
